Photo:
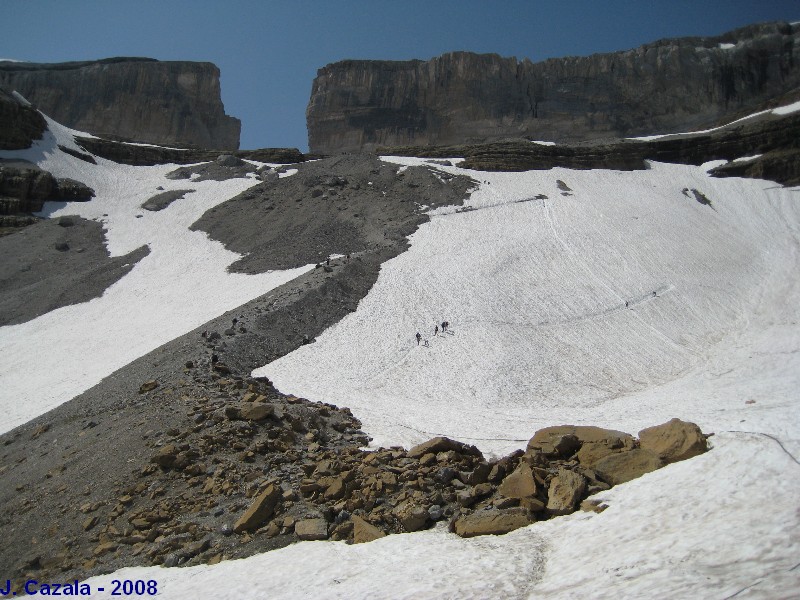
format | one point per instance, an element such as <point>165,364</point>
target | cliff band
<point>137,99</point>
<point>462,97</point>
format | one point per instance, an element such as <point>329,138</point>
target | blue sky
<point>269,52</point>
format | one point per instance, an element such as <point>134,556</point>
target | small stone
<point>148,386</point>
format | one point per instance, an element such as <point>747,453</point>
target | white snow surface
<point>535,292</point>
<point>180,285</point>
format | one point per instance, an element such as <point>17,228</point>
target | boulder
<point>311,529</point>
<point>166,456</point>
<point>492,522</point>
<point>673,441</point>
<point>565,490</point>
<point>365,532</point>
<point>443,444</point>
<point>256,411</point>
<point>228,160</point>
<point>562,440</point>
<point>411,516</point>
<point>69,189</point>
<point>519,484</point>
<point>623,466</point>
<point>260,510</point>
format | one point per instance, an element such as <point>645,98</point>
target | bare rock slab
<point>492,522</point>
<point>624,466</point>
<point>260,510</point>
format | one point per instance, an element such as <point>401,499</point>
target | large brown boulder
<point>623,466</point>
<point>674,441</point>
<point>565,440</point>
<point>492,522</point>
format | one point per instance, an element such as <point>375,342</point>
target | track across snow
<point>557,306</point>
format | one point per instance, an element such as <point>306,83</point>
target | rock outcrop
<point>138,99</point>
<point>24,188</point>
<point>460,97</point>
<point>20,124</point>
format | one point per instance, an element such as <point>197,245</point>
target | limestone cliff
<point>137,99</point>
<point>461,97</point>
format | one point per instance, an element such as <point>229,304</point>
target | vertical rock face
<point>463,97</point>
<point>137,99</point>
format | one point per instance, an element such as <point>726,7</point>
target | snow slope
<point>535,292</point>
<point>536,295</point>
<point>180,285</point>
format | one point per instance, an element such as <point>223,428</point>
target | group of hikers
<point>445,325</point>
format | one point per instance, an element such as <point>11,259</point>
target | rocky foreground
<point>244,469</point>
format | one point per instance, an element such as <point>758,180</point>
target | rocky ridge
<point>140,99</point>
<point>460,97</point>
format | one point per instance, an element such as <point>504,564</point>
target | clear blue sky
<point>269,52</point>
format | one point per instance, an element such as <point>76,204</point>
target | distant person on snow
<point>419,337</point>
<point>445,325</point>
<point>436,330</point>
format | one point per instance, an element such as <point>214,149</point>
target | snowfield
<point>180,285</point>
<point>617,300</point>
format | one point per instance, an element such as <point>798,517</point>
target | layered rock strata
<point>461,97</point>
<point>774,142</point>
<point>140,99</point>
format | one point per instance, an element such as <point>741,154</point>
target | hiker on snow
<point>436,330</point>
<point>445,325</point>
<point>419,337</point>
